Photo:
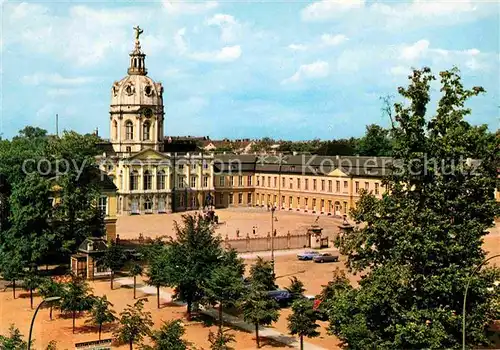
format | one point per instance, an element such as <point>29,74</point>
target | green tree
<point>101,313</point>
<point>421,241</point>
<point>52,345</point>
<point>76,298</point>
<point>262,273</point>
<point>220,340</point>
<point>31,281</point>
<point>296,288</point>
<point>50,288</point>
<point>190,259</point>
<point>11,268</point>
<point>135,323</point>
<point>157,273</point>
<point>169,336</point>
<point>302,321</point>
<point>225,285</point>
<point>376,142</point>
<point>258,309</point>
<point>114,259</point>
<point>136,270</point>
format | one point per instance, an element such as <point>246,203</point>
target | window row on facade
<point>148,181</point>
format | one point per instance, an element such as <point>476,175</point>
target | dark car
<point>325,257</point>
<point>307,255</point>
<point>281,296</point>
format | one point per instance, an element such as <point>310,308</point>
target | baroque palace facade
<point>151,176</point>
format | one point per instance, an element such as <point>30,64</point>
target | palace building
<point>158,174</point>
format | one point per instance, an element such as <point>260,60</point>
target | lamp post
<point>465,295</point>
<point>273,208</point>
<point>34,316</point>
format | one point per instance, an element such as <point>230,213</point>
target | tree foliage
<point>302,321</point>
<point>114,259</point>
<point>135,270</point>
<point>296,288</point>
<point>375,143</point>
<point>50,288</point>
<point>76,298</point>
<point>13,341</point>
<point>423,239</point>
<point>261,273</point>
<point>221,339</point>
<point>169,336</point>
<point>135,324</point>
<point>101,313</point>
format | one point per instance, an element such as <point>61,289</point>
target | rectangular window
<point>376,188</point>
<point>367,186</point>
<point>282,201</point>
<point>275,199</point>
<point>283,182</point>
<point>330,187</point>
<point>249,198</point>
<point>160,180</point>
<point>240,181</point>
<point>337,186</point>
<point>290,184</point>
<point>269,181</point>
<point>232,181</point>
<point>356,186</point>
<point>221,181</point>
<point>322,185</point>
<point>314,203</point>
<point>306,184</point>
<point>181,167</point>
<point>103,205</point>
<point>193,181</point>
<point>322,204</point>
<point>275,182</point>
<point>249,180</point>
<point>205,181</point>
<point>258,180</point>
<point>205,164</point>
<point>290,202</point>
<point>193,166</point>
<point>298,184</point>
<point>345,207</point>
<point>307,201</point>
<point>230,198</point>
<point>298,202</point>
<point>180,181</point>
<point>240,198</point>
<point>314,185</point>
<point>346,186</point>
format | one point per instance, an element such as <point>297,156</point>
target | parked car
<point>307,255</point>
<point>325,257</point>
<point>281,296</point>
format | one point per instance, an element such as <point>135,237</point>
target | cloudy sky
<point>285,69</point>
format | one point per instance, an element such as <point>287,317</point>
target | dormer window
<point>146,131</point>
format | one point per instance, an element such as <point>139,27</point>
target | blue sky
<point>293,70</point>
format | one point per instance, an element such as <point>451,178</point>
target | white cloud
<point>332,40</point>
<point>54,79</point>
<point>328,9</point>
<point>315,70</point>
<point>414,51</point>
<point>179,41</point>
<point>297,47</point>
<point>229,26</point>
<point>177,7</point>
<point>226,54</point>
<point>61,92</point>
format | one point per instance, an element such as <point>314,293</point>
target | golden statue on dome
<point>138,32</point>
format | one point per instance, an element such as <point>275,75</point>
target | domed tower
<point>136,111</point>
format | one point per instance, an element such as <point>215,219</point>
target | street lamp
<point>465,295</point>
<point>47,300</point>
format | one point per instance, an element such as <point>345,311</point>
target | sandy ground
<point>231,220</point>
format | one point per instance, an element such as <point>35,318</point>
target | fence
<point>257,244</point>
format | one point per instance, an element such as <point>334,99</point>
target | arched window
<point>134,180</point>
<point>148,205</point>
<point>160,180</point>
<point>145,130</point>
<point>115,129</point>
<point>129,130</point>
<point>147,180</point>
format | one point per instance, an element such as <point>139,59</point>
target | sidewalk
<point>235,321</point>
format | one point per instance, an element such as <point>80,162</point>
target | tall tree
<point>296,288</point>
<point>135,270</point>
<point>14,341</point>
<point>225,286</point>
<point>101,313</point>
<point>302,321</point>
<point>421,242</point>
<point>261,272</point>
<point>50,288</point>
<point>135,324</point>
<point>157,273</point>
<point>114,259</point>
<point>76,298</point>
<point>169,336</point>
<point>11,268</point>
<point>221,339</point>
<point>259,309</point>
<point>190,258</point>
<point>31,281</point>
<point>375,143</point>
